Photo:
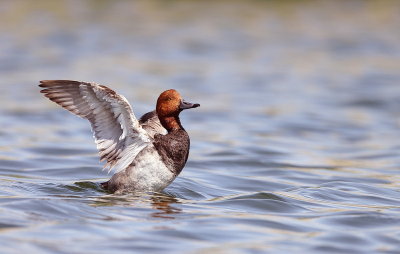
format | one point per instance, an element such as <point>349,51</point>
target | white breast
<point>147,173</point>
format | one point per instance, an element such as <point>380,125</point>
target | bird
<point>146,154</point>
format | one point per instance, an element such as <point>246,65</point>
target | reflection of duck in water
<point>162,203</point>
<point>147,154</point>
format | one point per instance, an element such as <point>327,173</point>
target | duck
<point>146,155</point>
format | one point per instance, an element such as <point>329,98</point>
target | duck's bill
<point>187,105</point>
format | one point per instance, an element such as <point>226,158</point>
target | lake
<point>295,148</point>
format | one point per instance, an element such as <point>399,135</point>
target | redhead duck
<point>146,154</point>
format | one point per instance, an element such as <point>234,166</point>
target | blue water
<point>295,148</point>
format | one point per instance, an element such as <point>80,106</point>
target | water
<point>295,148</point>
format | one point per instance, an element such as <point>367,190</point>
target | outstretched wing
<point>117,132</point>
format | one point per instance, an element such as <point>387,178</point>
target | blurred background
<point>295,146</point>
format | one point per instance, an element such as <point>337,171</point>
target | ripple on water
<point>351,193</point>
<point>272,224</point>
<point>294,150</point>
<point>366,220</point>
<point>69,173</point>
<point>59,151</point>
<point>247,183</point>
<point>14,164</point>
<point>346,239</point>
<point>258,203</point>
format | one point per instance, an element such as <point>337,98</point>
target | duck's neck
<point>171,123</point>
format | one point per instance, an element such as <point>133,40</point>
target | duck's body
<point>156,166</point>
<point>147,154</point>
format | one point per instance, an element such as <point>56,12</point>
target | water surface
<point>295,148</point>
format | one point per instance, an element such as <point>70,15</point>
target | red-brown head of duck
<point>169,105</point>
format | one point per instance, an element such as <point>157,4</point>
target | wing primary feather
<point>119,136</point>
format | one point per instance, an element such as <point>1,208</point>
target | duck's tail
<point>104,185</point>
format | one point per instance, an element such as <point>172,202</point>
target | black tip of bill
<point>187,105</point>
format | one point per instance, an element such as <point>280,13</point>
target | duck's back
<point>151,124</point>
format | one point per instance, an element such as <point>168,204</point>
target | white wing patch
<point>117,132</point>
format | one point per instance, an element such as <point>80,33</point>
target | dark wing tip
<point>49,83</point>
<point>43,83</point>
